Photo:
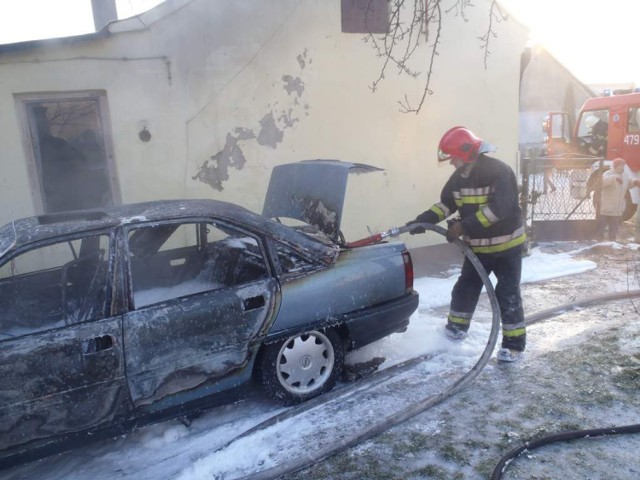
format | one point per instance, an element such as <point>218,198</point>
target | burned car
<point>116,318</point>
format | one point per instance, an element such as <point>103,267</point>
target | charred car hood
<point>312,191</point>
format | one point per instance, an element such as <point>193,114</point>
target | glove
<point>417,229</point>
<point>454,231</point>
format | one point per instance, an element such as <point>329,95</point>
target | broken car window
<point>292,264</point>
<point>54,285</point>
<point>175,260</point>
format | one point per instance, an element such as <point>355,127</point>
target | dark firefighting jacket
<point>487,201</point>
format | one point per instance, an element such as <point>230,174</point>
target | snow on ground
<point>425,331</point>
<point>172,450</point>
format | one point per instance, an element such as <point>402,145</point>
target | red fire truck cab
<point>607,127</point>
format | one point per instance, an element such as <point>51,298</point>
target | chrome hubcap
<point>305,362</point>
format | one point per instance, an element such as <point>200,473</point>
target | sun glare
<point>36,19</point>
<point>24,20</point>
<point>595,40</point>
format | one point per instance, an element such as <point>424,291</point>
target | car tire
<point>302,366</point>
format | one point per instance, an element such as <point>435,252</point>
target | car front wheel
<point>302,366</point>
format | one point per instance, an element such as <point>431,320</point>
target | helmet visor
<point>443,156</point>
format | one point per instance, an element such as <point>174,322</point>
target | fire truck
<point>607,127</point>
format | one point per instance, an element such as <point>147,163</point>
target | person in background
<point>484,191</point>
<point>615,183</point>
<point>599,131</point>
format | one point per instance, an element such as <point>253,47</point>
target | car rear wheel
<point>302,366</point>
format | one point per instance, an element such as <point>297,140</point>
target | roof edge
<point>51,42</point>
<point>145,19</point>
<point>134,23</point>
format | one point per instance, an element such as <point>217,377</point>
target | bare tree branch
<point>495,14</point>
<point>434,17</point>
<point>414,23</point>
<point>399,33</point>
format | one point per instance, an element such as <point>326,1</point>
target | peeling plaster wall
<point>244,88</point>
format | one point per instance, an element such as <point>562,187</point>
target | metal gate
<point>560,196</point>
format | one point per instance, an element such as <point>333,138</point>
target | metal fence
<point>560,196</point>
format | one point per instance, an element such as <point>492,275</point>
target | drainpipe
<point>104,11</point>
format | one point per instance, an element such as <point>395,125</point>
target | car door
<point>202,297</point>
<point>61,357</point>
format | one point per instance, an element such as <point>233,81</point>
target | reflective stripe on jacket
<point>487,199</point>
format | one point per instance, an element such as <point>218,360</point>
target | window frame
<point>353,17</point>
<point>283,273</point>
<point>109,256</point>
<point>633,117</point>
<point>25,100</point>
<point>221,224</point>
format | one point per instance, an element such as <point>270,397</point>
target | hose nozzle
<point>378,237</point>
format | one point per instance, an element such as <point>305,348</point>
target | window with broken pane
<point>292,264</point>
<point>72,164</point>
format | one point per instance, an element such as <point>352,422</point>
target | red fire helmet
<point>462,143</point>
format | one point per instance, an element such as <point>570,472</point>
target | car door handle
<point>97,344</point>
<point>252,303</point>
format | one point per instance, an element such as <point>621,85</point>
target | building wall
<point>227,90</point>
<point>547,86</point>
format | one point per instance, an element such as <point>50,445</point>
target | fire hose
<point>421,405</point>
<point>395,231</point>
<point>511,455</point>
<point>430,401</point>
<point>558,437</point>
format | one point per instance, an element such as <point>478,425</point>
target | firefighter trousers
<point>507,268</point>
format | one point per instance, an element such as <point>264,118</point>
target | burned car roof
<point>41,228</point>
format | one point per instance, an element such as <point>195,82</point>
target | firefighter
<point>598,130</point>
<point>484,191</point>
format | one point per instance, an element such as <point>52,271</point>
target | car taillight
<point>408,270</point>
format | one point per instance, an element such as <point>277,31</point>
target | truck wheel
<point>302,366</point>
<point>629,207</point>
